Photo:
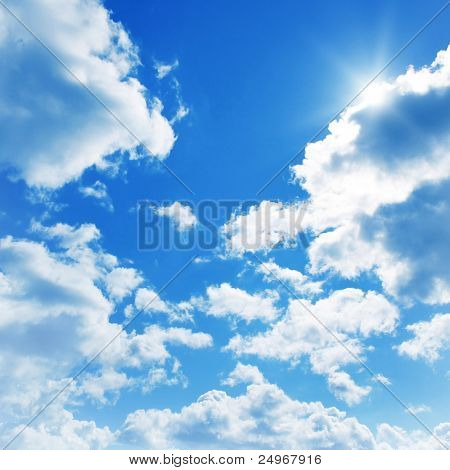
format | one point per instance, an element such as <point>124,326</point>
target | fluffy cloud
<point>298,281</point>
<point>350,314</point>
<point>181,214</point>
<point>66,128</point>
<point>57,315</point>
<point>430,338</point>
<point>378,186</point>
<point>264,227</point>
<point>120,282</point>
<point>264,417</point>
<point>149,300</point>
<point>246,374</point>
<point>225,300</point>
<point>60,430</point>
<point>394,437</point>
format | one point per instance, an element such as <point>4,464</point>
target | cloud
<point>106,382</point>
<point>181,214</point>
<point>394,437</point>
<point>300,283</point>
<point>162,69</point>
<point>264,417</point>
<point>379,185</point>
<point>430,338</point>
<point>351,314</point>
<point>120,282</point>
<point>264,227</point>
<point>148,300</point>
<point>60,430</point>
<point>419,409</point>
<point>380,378</point>
<point>158,376</point>
<point>150,346</point>
<point>57,309</point>
<point>245,374</point>
<point>227,301</point>
<point>66,129</point>
<point>98,191</point>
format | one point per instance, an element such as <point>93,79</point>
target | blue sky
<point>225,93</point>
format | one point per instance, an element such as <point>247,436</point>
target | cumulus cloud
<point>394,437</point>
<point>66,129</point>
<point>57,306</point>
<point>225,300</point>
<point>351,314</point>
<point>245,374</point>
<point>430,338</point>
<point>378,186</point>
<point>60,430</point>
<point>148,300</point>
<point>264,227</point>
<point>299,282</point>
<point>120,282</point>
<point>181,214</point>
<point>264,417</point>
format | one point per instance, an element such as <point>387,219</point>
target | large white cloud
<point>378,186</point>
<point>264,417</point>
<point>56,315</point>
<point>395,437</point>
<point>53,129</point>
<point>60,430</point>
<point>350,314</point>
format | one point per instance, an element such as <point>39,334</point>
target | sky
<point>317,317</point>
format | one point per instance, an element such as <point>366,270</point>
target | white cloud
<point>150,346</point>
<point>429,340</point>
<point>98,191</point>
<point>66,129</point>
<point>351,314</point>
<point>264,227</point>
<point>394,437</point>
<point>245,374</point>
<point>227,301</point>
<point>419,409</point>
<point>56,316</point>
<point>299,282</point>
<point>344,387</point>
<point>264,417</point>
<point>120,282</point>
<point>98,385</point>
<point>162,69</point>
<point>378,186</point>
<point>68,236</point>
<point>60,430</point>
<point>148,300</point>
<point>181,214</point>
<point>181,113</point>
<point>380,378</point>
<point>158,376</point>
